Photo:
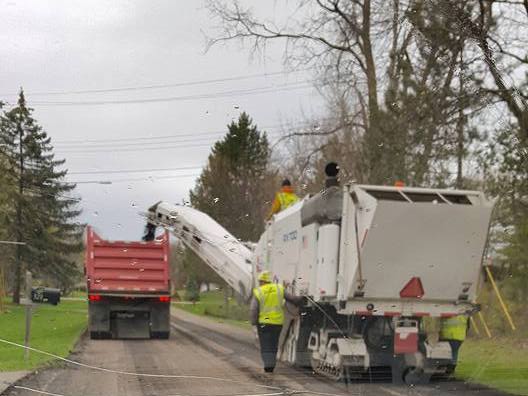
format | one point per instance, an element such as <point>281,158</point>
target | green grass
<point>54,329</point>
<point>77,294</point>
<point>497,363</point>
<point>211,304</point>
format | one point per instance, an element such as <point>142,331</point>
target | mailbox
<point>45,295</point>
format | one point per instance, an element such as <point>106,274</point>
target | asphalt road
<point>202,358</point>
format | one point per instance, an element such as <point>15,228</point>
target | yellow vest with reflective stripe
<point>454,328</point>
<point>271,302</point>
<point>287,199</point>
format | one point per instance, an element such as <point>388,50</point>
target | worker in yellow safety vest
<point>284,198</point>
<point>454,330</point>
<point>267,317</point>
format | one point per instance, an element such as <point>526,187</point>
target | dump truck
<point>128,285</point>
<point>375,263</point>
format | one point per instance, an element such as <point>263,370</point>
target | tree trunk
<point>460,128</point>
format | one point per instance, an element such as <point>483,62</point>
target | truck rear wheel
<point>100,335</point>
<point>160,335</point>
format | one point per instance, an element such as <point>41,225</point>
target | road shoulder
<point>8,378</point>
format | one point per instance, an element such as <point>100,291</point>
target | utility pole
<point>28,302</point>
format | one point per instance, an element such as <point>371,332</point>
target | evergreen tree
<point>40,213</point>
<point>236,186</point>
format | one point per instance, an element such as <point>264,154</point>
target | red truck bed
<point>121,267</point>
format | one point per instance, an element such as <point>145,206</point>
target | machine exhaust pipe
<point>331,171</point>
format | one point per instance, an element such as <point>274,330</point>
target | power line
<point>134,170</point>
<point>242,92</point>
<point>169,147</point>
<point>96,149</point>
<point>139,179</point>
<point>61,142</point>
<point>105,144</point>
<point>193,134</point>
<point>158,86</point>
<point>154,146</point>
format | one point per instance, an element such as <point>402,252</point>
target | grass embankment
<point>54,329</point>
<point>498,363</point>
<point>211,304</point>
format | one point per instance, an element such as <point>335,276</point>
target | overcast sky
<point>53,47</point>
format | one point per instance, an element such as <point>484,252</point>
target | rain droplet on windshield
<point>96,213</point>
<point>134,204</point>
<point>380,145</point>
<point>216,200</point>
<point>236,107</point>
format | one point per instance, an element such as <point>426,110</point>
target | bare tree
<point>395,63</point>
<point>499,29</point>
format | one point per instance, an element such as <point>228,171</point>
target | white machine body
<point>385,238</point>
<point>372,262</point>
<point>225,254</point>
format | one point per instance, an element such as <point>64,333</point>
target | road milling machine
<point>376,263</point>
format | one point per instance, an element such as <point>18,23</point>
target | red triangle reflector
<point>413,289</point>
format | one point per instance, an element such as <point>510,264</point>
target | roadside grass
<point>77,294</point>
<point>54,329</point>
<point>499,363</point>
<point>211,304</point>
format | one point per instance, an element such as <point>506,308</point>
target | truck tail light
<point>94,297</point>
<point>164,299</point>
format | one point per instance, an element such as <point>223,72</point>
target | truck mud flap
<point>130,325</point>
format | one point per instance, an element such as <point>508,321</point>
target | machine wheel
<point>332,366</point>
<point>413,376</point>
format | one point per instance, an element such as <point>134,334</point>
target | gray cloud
<point>74,45</point>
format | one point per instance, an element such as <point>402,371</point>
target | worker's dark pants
<point>269,344</point>
<point>455,346</point>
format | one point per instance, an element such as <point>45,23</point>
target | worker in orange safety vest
<point>284,198</point>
